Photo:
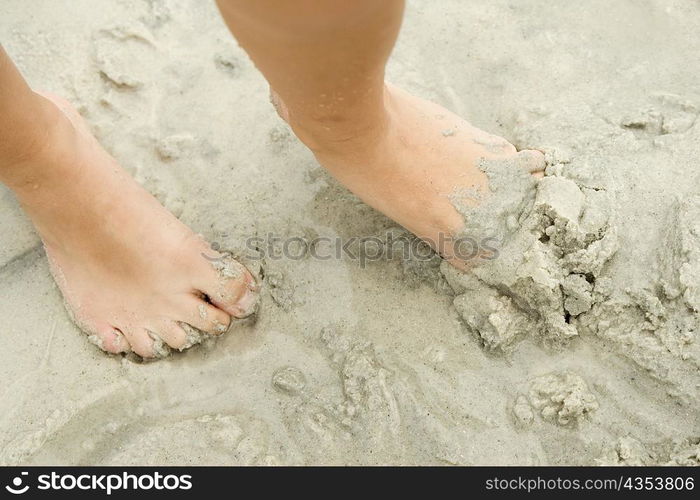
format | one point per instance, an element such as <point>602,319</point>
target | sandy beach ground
<point>579,347</point>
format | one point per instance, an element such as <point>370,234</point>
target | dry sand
<point>577,346</point>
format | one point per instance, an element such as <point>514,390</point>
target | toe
<point>237,297</point>
<point>172,334</point>
<point>140,340</point>
<point>206,317</point>
<point>532,161</point>
<point>230,287</point>
<point>111,340</point>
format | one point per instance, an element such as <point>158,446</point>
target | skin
<point>405,156</point>
<point>129,269</point>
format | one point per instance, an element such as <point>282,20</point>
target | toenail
<point>533,160</point>
<point>160,348</point>
<point>220,328</point>
<point>247,303</point>
<point>253,285</point>
<point>120,342</point>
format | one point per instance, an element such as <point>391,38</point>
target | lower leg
<point>27,118</point>
<point>324,60</point>
<point>400,154</point>
<point>130,272</point>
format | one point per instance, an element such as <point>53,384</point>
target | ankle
<point>340,137</point>
<point>338,131</point>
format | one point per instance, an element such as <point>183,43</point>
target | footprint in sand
<point>125,56</point>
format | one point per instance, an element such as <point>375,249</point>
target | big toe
<point>532,161</point>
<point>231,287</point>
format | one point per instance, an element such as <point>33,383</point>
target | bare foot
<point>131,273</point>
<point>410,163</point>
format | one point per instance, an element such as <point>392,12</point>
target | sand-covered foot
<point>412,162</point>
<point>132,275</point>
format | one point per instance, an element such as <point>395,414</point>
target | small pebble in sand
<point>288,380</point>
<point>522,411</point>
